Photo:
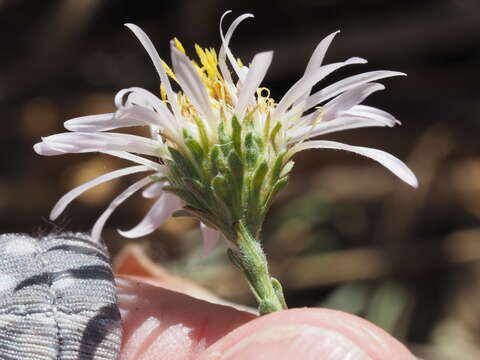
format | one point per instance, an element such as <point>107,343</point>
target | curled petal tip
<point>43,148</point>
<point>358,60</point>
<point>37,148</point>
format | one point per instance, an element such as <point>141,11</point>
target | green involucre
<point>231,181</point>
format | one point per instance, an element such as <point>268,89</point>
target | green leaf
<point>158,178</point>
<point>276,188</point>
<point>274,133</point>
<point>220,187</point>
<point>214,159</point>
<point>254,207</point>
<point>258,178</point>
<point>182,213</point>
<point>260,143</point>
<point>223,139</point>
<point>195,186</point>
<point>287,168</point>
<point>222,193</point>
<point>251,150</point>
<point>202,131</point>
<point>233,258</point>
<point>204,217</point>
<point>279,292</point>
<point>279,185</point>
<point>237,134</point>
<point>183,164</point>
<point>236,169</point>
<point>185,195</point>
<point>277,167</point>
<point>196,150</point>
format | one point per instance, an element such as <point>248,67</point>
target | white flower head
<point>223,145</point>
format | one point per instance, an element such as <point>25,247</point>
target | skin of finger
<point>308,334</point>
<point>159,323</point>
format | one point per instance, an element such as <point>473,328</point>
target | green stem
<point>252,260</point>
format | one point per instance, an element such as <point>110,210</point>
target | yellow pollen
<point>179,45</point>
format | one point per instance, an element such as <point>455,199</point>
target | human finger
<point>160,323</point>
<point>308,334</point>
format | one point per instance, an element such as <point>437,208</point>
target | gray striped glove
<point>57,299</point>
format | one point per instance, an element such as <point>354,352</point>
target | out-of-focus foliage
<point>345,233</point>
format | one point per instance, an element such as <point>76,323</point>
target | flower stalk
<point>251,259</point>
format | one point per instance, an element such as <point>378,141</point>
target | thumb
<point>308,334</point>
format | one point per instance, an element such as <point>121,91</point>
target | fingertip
<point>308,334</point>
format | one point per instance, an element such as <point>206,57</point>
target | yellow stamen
<point>261,90</point>
<point>319,117</point>
<point>179,45</point>
<point>169,71</point>
<point>163,93</point>
<point>218,90</point>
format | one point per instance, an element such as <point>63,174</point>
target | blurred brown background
<point>346,233</point>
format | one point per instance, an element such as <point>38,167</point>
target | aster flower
<point>220,148</point>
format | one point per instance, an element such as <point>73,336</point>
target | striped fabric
<point>57,299</point>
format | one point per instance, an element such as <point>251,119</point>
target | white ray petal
<point>157,62</point>
<point>102,122</point>
<point>137,96</point>
<point>210,238</point>
<point>142,97</point>
<point>306,83</point>
<point>153,190</point>
<point>346,84</point>
<point>349,99</point>
<point>373,113</point>
<point>389,161</point>
<point>100,223</point>
<point>221,55</point>
<point>225,50</point>
<point>258,69</point>
<point>357,111</point>
<point>134,96</point>
<point>137,159</point>
<point>319,53</point>
<point>160,115</point>
<point>316,61</point>
<point>158,213</point>
<point>190,82</point>
<point>66,199</point>
<point>45,149</point>
<point>82,142</point>
<point>338,124</point>
<point>146,116</point>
